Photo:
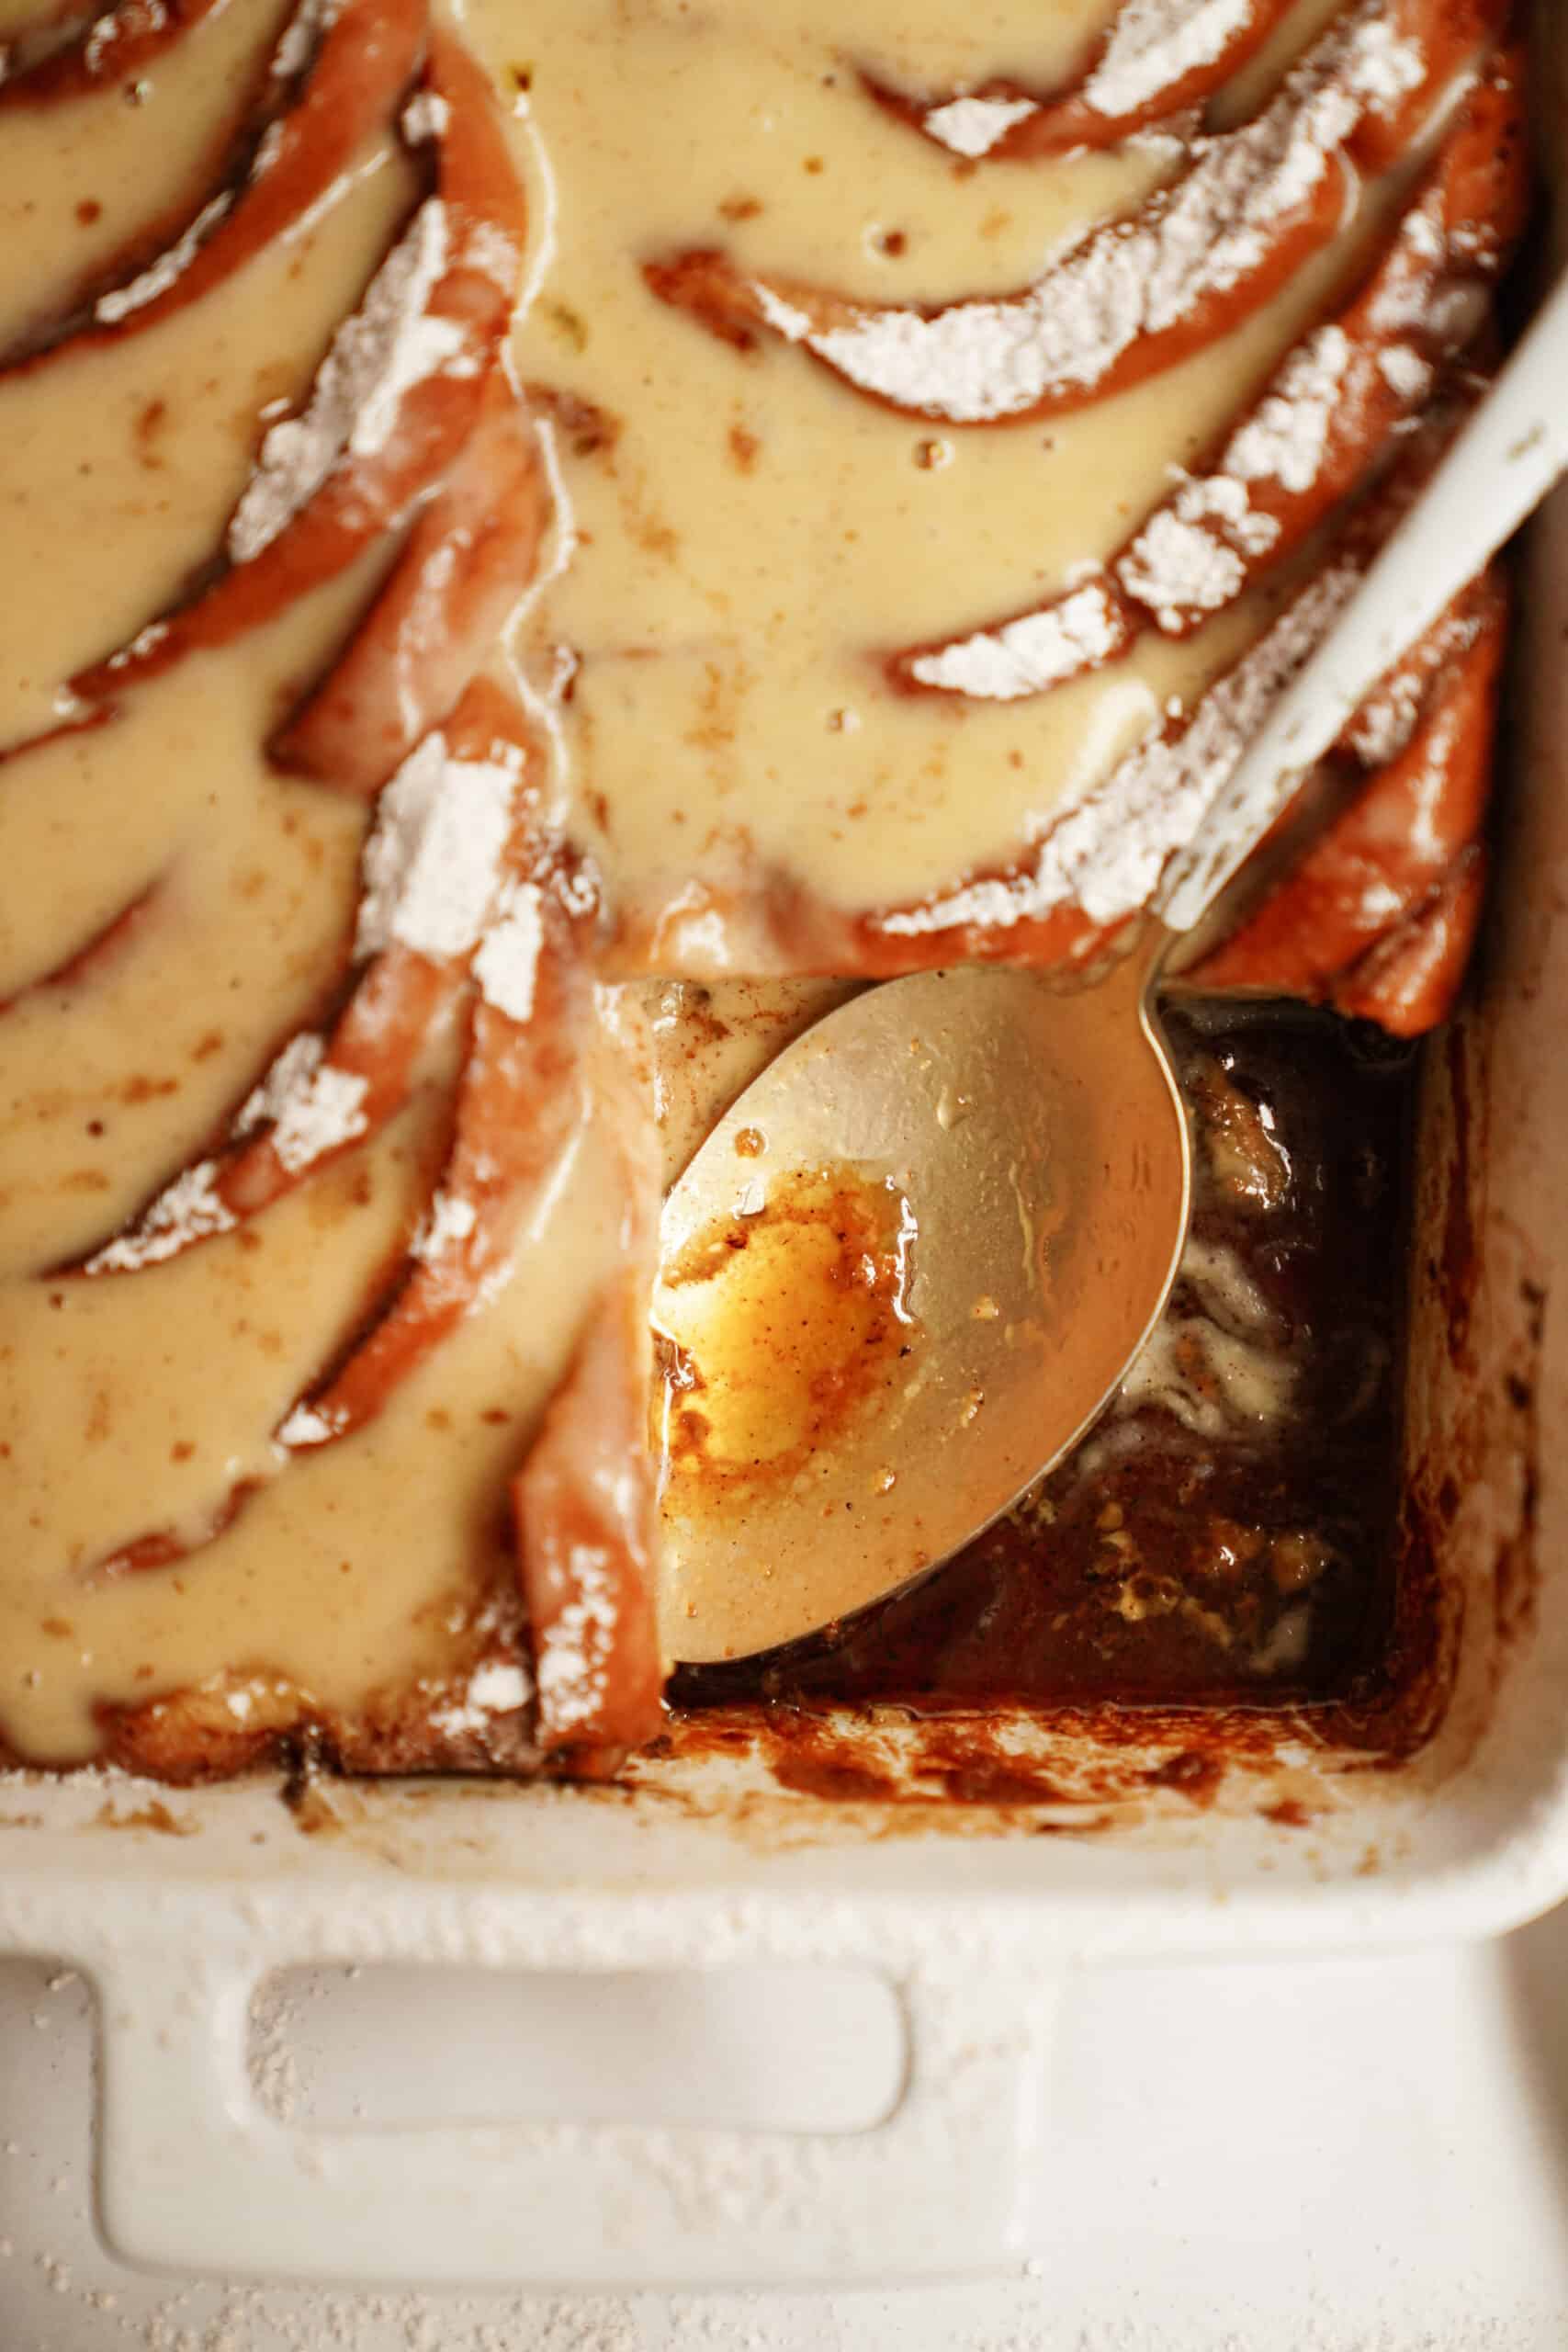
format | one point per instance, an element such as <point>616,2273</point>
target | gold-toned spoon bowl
<point>1036,1229</point>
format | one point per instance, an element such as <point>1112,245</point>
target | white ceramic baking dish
<point>970,1913</point>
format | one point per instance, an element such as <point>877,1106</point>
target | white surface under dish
<point>1366,2156</point>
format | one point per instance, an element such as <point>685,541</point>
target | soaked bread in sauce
<point>539,551</point>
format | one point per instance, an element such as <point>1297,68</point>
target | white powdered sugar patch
<point>1406,373</point>
<point>425,117</point>
<point>1189,559</point>
<point>146,640</point>
<point>976,361</point>
<point>289,1070</point>
<point>1174,567</point>
<point>189,1209</point>
<point>971,126</point>
<point>1027,655</point>
<point>320,1116</point>
<point>391,343</point>
<point>571,1650</point>
<point>306,1426</point>
<point>432,867</point>
<point>1387,719</point>
<point>447,1223</point>
<point>1221,499</point>
<point>1153,46</point>
<point>1284,439</point>
<point>498,1688</point>
<point>1425,288</point>
<point>269,147</point>
<point>507,964</point>
<point>1155,43</point>
<point>168,268</point>
<point>305,29</point>
<point>311,1107</point>
<point>151,15</point>
<point>1114,850</point>
<point>1106,853</point>
<point>1405,290</point>
<point>492,252</point>
<point>1391,66</point>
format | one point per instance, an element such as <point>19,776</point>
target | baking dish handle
<point>195,2176</point>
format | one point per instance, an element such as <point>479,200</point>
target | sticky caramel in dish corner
<point>492,515</point>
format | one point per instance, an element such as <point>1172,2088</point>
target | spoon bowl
<point>1036,1147</point>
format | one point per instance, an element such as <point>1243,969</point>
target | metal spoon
<point>1036,1141</point>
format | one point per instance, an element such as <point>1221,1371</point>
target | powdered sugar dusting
<point>1190,557</point>
<point>1106,853</point>
<point>976,361</point>
<point>492,252</point>
<point>111,28</point>
<point>269,147</point>
<point>425,117</point>
<point>289,1070</point>
<point>432,867</point>
<point>1176,566</point>
<point>447,1223</point>
<point>304,30</point>
<point>572,1651</point>
<point>190,1209</point>
<point>1025,656</point>
<point>389,343</point>
<point>168,268</point>
<point>308,1426</point>
<point>1285,437</point>
<point>1406,372</point>
<point>500,1687</point>
<point>1390,67</point>
<point>506,966</point>
<point>1387,719</point>
<point>319,1117</point>
<point>1155,43</point>
<point>971,126</point>
<point>1153,46</point>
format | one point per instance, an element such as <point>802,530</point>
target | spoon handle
<point>1499,469</point>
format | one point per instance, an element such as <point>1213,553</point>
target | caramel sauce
<point>779,1329</point>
